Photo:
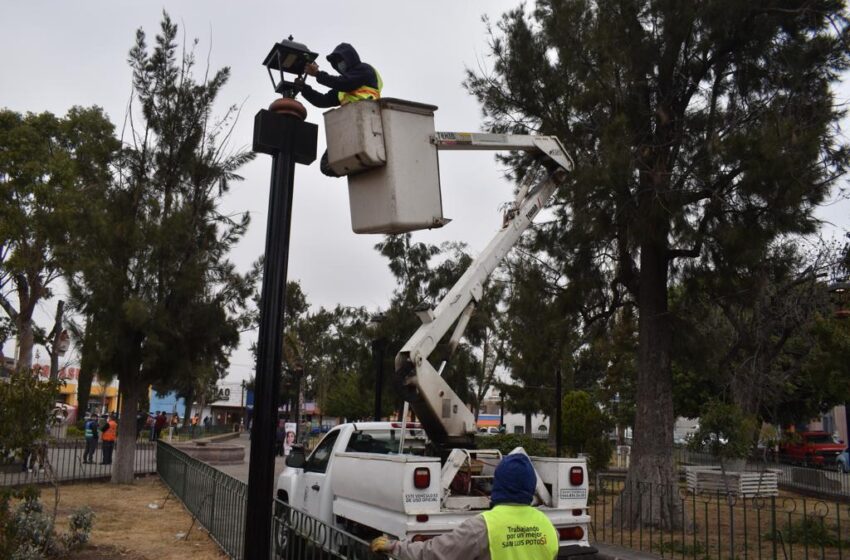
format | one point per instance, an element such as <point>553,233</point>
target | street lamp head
<point>290,57</point>
<point>375,321</point>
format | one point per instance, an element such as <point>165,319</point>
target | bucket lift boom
<point>445,418</point>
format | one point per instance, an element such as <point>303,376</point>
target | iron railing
<point>298,535</point>
<point>62,460</point>
<point>827,481</point>
<point>216,500</point>
<point>675,523</point>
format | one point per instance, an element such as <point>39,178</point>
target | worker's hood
<point>514,481</point>
<point>346,54</point>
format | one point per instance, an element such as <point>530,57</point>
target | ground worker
<point>511,530</point>
<point>356,81</point>
<point>110,434</point>
<point>90,428</point>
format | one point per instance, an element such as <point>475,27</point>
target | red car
<point>817,449</point>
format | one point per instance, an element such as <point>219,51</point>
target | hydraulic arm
<point>445,418</point>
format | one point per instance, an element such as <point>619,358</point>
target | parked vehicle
<point>813,449</point>
<point>489,431</point>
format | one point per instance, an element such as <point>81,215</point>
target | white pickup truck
<point>357,480</point>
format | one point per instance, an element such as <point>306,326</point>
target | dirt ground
<point>126,528</point>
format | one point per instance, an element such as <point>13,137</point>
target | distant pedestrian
<point>110,434</point>
<point>159,424</point>
<point>90,429</point>
<point>150,425</point>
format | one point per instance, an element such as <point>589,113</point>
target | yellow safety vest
<point>361,93</point>
<point>520,533</point>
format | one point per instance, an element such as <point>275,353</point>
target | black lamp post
<point>378,345</point>
<point>282,133</point>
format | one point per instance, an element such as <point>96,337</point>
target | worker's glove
<point>383,544</point>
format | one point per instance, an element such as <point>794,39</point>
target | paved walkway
<point>241,471</point>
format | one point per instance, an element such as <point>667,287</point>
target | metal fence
<point>215,499</point>
<point>218,502</point>
<point>674,523</point>
<point>297,535</point>
<point>62,460</point>
<point>826,482</point>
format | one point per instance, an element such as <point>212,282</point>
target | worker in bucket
<point>356,81</point>
<point>511,530</point>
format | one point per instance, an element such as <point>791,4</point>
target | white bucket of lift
<point>393,173</point>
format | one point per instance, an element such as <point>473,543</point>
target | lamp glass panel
<point>289,61</point>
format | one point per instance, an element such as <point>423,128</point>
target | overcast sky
<point>54,55</point>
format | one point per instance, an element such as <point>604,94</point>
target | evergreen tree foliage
<point>153,273</point>
<point>585,429</point>
<point>701,131</point>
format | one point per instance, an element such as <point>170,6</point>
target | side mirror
<point>296,457</point>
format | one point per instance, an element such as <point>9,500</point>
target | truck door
<point>317,489</point>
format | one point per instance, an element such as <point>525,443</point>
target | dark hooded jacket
<point>352,74</point>
<point>513,485</point>
<point>514,481</point>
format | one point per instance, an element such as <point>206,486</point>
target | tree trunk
<point>651,492</point>
<point>125,453</point>
<point>187,409</point>
<point>87,367</point>
<point>54,344</point>
<point>528,423</point>
<point>26,340</point>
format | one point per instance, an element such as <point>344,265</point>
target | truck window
<point>318,460</point>
<point>386,442</point>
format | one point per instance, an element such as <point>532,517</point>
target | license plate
<point>572,493</point>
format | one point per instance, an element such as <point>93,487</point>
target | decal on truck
<point>568,493</point>
<point>419,498</point>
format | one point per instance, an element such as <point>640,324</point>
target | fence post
<point>773,522</point>
<point>185,482</point>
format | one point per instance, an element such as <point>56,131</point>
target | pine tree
<point>696,128</point>
<point>152,272</point>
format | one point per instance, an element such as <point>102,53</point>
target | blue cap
<point>514,481</point>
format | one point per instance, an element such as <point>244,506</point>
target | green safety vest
<point>361,93</point>
<point>519,532</point>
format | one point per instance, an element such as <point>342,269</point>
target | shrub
<point>508,442</point>
<point>811,531</point>
<point>585,429</point>
<point>74,432</point>
<point>27,533</point>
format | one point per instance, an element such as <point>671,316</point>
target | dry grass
<point>126,528</point>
